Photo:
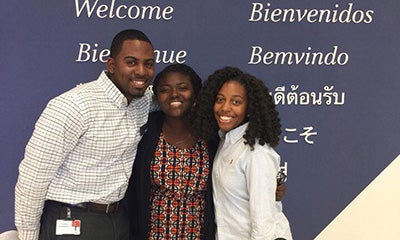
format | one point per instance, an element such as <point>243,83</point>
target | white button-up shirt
<point>244,185</point>
<point>82,150</point>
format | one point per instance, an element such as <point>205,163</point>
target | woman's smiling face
<point>230,105</point>
<point>175,94</point>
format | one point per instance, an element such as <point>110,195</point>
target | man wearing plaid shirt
<point>79,159</point>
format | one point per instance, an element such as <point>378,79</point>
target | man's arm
<point>56,132</point>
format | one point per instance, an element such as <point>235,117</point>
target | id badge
<point>68,227</point>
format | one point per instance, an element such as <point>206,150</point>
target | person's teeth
<point>225,118</point>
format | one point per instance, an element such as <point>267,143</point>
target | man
<point>78,161</point>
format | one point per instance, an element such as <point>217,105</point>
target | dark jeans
<point>96,226</point>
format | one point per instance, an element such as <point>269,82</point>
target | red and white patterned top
<point>178,186</point>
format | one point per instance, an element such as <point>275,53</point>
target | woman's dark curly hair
<point>264,123</point>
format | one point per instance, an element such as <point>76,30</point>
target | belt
<point>93,207</point>
<point>97,207</point>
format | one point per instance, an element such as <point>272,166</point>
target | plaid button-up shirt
<point>82,150</point>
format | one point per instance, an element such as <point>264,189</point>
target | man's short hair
<point>128,34</point>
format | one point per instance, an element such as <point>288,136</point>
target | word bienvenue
<point>90,53</point>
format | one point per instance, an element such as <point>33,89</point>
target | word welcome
<point>122,11</point>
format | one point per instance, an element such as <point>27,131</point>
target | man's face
<point>133,68</point>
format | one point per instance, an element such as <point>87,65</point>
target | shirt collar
<point>235,134</point>
<point>112,91</point>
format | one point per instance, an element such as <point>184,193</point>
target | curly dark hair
<point>264,123</point>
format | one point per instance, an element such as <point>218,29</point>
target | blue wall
<point>332,149</point>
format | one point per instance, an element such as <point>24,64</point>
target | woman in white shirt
<point>246,165</point>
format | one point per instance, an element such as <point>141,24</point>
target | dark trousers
<point>94,225</point>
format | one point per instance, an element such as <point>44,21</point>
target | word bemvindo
<point>89,53</point>
<point>291,15</point>
<point>308,57</point>
<point>122,11</point>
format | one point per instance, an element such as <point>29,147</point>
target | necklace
<point>177,140</point>
<point>186,141</point>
